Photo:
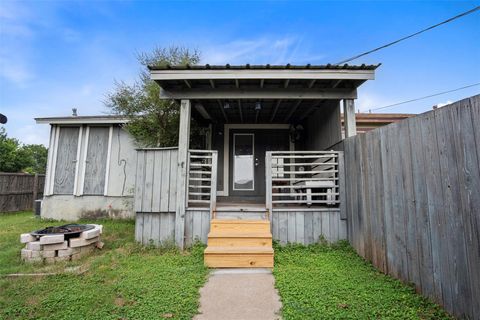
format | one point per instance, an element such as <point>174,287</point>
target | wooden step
<point>221,239</point>
<point>239,257</point>
<point>240,226</point>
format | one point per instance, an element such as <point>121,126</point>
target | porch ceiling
<point>259,94</point>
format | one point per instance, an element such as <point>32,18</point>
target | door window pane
<point>243,162</point>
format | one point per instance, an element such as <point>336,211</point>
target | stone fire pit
<point>62,243</point>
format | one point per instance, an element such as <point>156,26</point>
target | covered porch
<point>268,150</point>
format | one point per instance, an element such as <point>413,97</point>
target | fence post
<point>35,190</point>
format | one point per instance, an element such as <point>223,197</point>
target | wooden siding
<point>413,202</point>
<point>307,227</point>
<point>156,180</point>
<point>159,228</point>
<point>19,190</point>
<point>66,161</point>
<point>96,161</point>
<point>155,228</point>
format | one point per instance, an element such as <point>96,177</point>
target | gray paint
<point>156,180</point>
<point>96,161</point>
<point>66,160</point>
<point>413,202</point>
<point>323,128</point>
<point>308,226</point>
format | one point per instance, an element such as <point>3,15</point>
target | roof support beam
<point>285,85</point>
<point>262,81</point>
<point>237,83</point>
<point>212,83</point>
<point>240,110</point>
<point>311,83</point>
<point>201,109</point>
<point>285,94</point>
<point>292,111</point>
<point>187,83</point>
<point>336,83</point>
<point>275,110</point>
<point>223,111</point>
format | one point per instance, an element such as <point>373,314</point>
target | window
<point>243,167</point>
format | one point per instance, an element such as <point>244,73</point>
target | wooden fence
<point>19,190</point>
<point>413,202</point>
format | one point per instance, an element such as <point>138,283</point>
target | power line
<point>425,97</point>
<point>410,36</point>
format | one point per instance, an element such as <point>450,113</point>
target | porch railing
<point>302,178</point>
<point>202,179</point>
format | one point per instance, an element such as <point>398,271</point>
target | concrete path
<point>239,294</point>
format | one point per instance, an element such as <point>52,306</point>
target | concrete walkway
<point>239,294</point>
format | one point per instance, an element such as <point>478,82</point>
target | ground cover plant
<point>123,280</point>
<point>333,282</point>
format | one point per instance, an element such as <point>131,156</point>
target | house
<point>269,168</point>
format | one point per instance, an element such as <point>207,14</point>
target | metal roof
<point>265,67</point>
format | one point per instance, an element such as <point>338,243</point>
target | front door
<point>247,160</point>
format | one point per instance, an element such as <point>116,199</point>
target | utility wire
<point>410,36</point>
<point>429,96</point>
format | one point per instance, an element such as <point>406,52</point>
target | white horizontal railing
<point>202,179</point>
<point>302,178</point>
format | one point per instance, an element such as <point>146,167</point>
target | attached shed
<point>90,169</point>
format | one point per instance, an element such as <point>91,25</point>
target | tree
<point>153,122</point>
<point>15,157</point>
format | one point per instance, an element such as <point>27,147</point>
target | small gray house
<point>269,168</point>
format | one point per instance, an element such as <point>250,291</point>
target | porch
<point>268,153</point>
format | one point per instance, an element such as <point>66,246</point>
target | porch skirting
<point>307,227</point>
<point>287,226</point>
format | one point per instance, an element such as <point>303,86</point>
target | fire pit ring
<point>68,230</point>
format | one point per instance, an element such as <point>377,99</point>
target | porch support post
<point>349,118</point>
<point>183,145</point>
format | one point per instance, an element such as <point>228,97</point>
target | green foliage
<point>333,282</point>
<point>153,122</point>
<point>124,280</point>
<point>14,157</point>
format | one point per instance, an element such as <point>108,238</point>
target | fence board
<point>413,202</point>
<point>18,190</point>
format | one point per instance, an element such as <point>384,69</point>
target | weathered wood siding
<point>413,202</point>
<point>156,180</point>
<point>96,161</point>
<point>307,227</point>
<point>155,228</point>
<point>19,190</point>
<point>66,160</point>
<point>159,228</point>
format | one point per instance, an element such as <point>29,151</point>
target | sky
<point>59,55</point>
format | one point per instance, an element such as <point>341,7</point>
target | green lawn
<point>333,282</point>
<point>123,281</point>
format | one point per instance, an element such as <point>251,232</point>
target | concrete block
<point>48,253</point>
<point>65,252</point>
<point>36,254</point>
<point>87,249</point>
<point>25,253</point>
<point>77,256</point>
<point>52,239</point>
<point>65,258</point>
<point>99,244</point>
<point>79,242</point>
<point>50,260</point>
<point>57,246</point>
<point>99,226</point>
<point>27,237</point>
<point>33,260</point>
<point>89,234</point>
<point>35,245</point>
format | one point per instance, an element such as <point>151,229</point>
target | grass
<point>333,282</point>
<point>123,281</point>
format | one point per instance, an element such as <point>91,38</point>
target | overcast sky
<point>56,55</point>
